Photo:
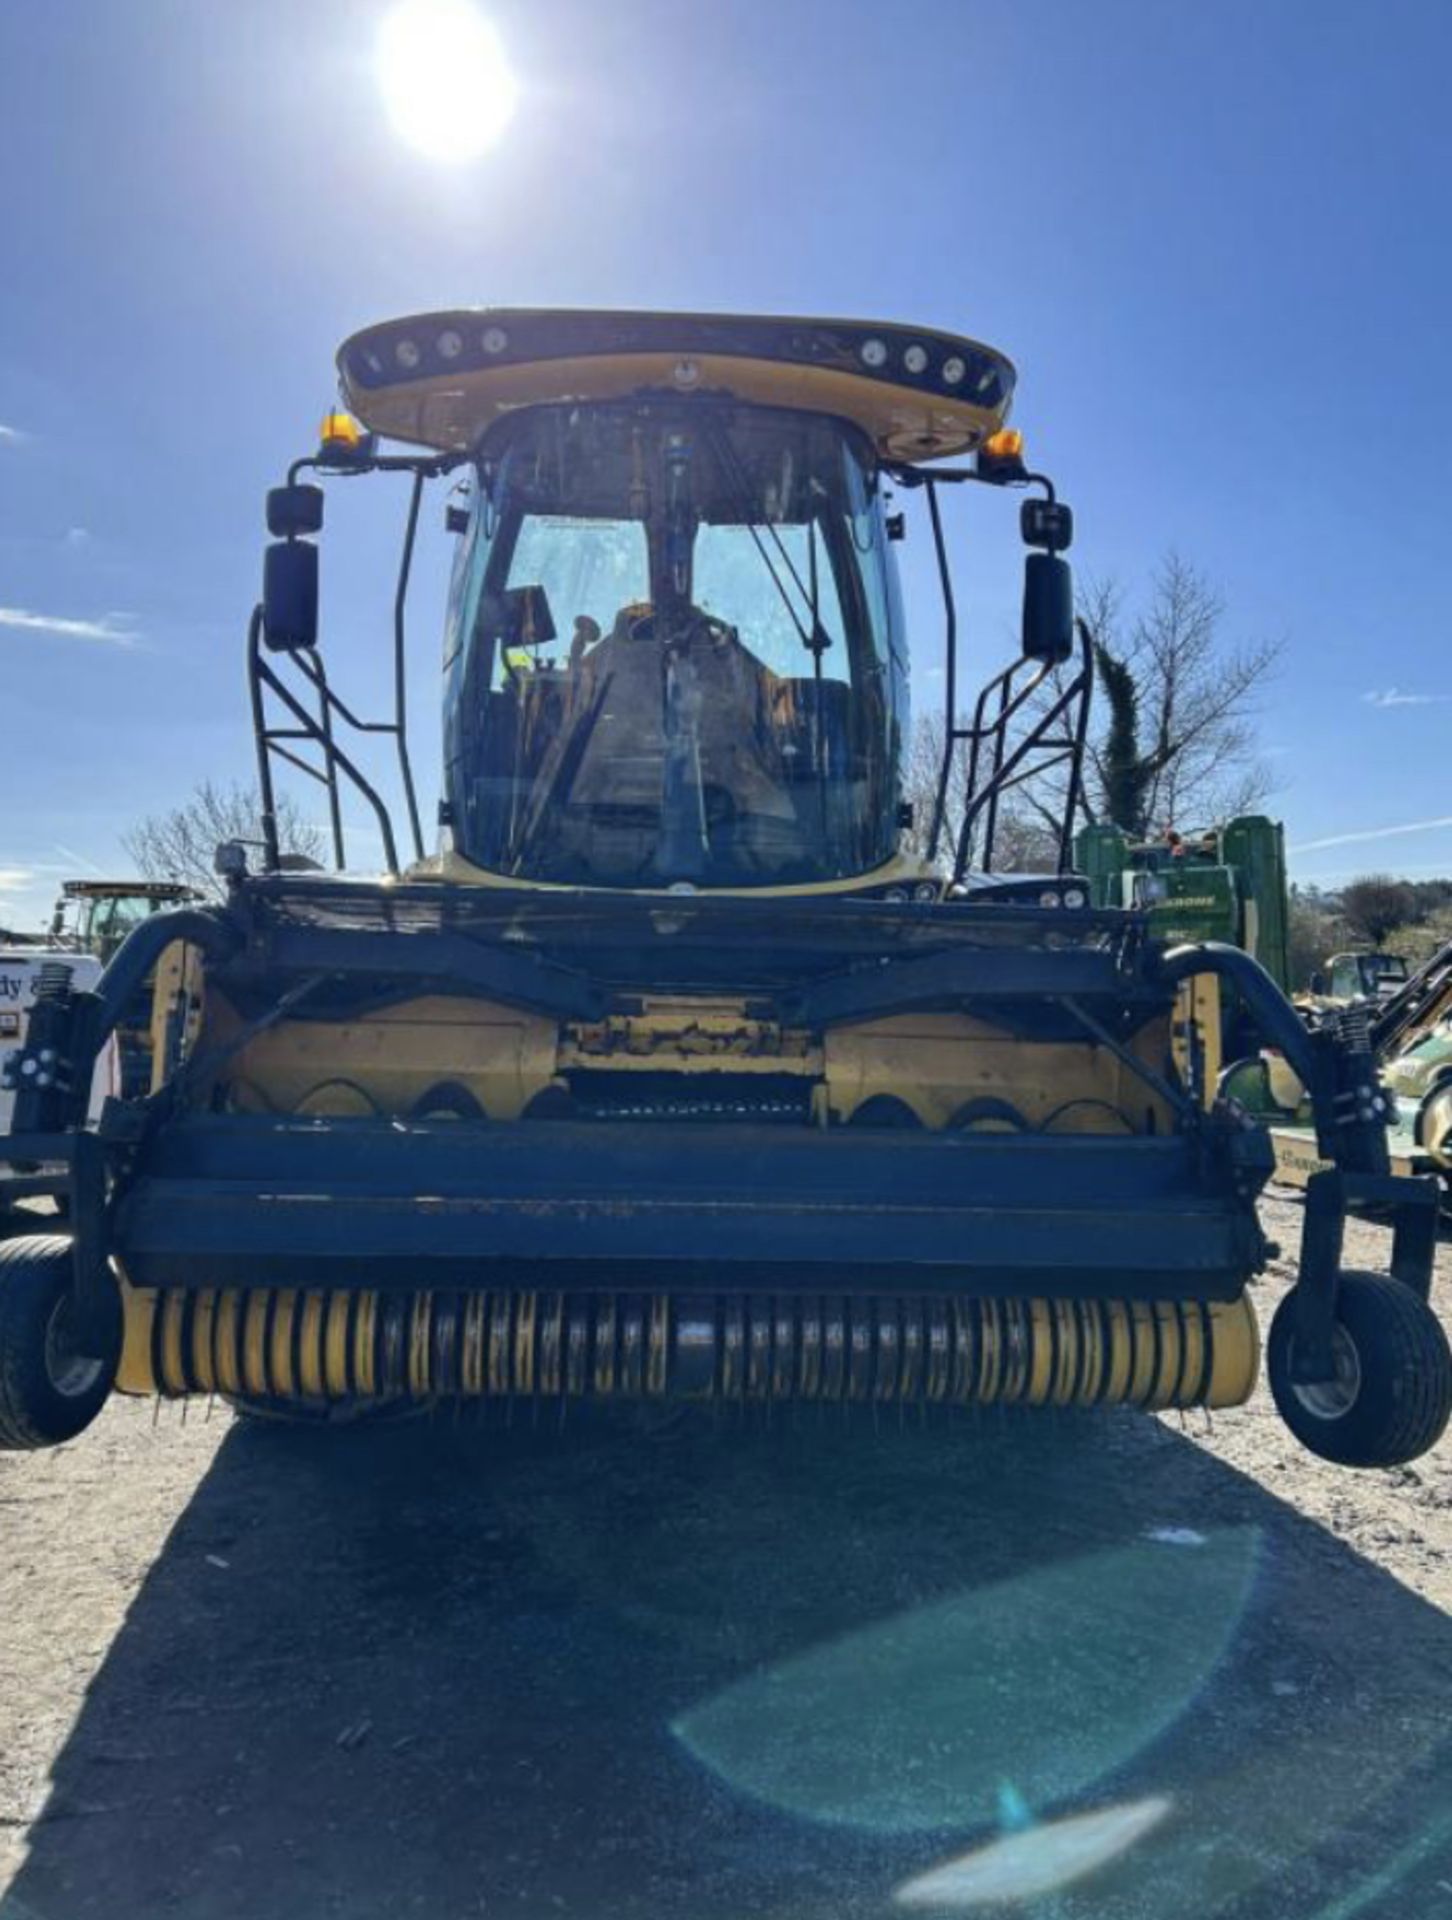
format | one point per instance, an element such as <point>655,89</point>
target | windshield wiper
<point>816,640</point>
<point>562,780</point>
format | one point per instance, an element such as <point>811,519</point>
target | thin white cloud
<point>1373,833</point>
<point>77,536</point>
<point>72,860</point>
<point>1394,697</point>
<point>1404,870</point>
<point>12,434</point>
<point>109,628</point>
<point>12,878</point>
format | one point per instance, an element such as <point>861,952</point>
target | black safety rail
<point>1052,737</point>
<point>1010,739</point>
<point>295,709</point>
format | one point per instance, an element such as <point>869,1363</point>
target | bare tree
<point>1315,931</point>
<point>1024,842</point>
<point>182,844</point>
<point>1172,737</point>
<point>920,782</point>
<point>1376,905</point>
<point>1175,740</point>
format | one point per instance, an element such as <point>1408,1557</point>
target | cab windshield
<point>674,651</point>
<point>108,919</point>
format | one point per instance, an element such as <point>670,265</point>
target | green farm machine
<point>1225,884</point>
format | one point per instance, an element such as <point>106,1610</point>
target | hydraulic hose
<point>1336,1064</point>
<point>1280,1025</point>
<point>94,1016</point>
<point>217,937</point>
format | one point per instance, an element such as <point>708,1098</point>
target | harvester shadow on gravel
<point>777,1671</point>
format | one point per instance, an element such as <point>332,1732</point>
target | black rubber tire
<point>1403,1399</point>
<point>36,1410</point>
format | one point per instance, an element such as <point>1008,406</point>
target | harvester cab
<point>668,1075</point>
<point>96,918</point>
<point>1350,978</point>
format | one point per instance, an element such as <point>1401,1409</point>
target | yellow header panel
<point>443,379</point>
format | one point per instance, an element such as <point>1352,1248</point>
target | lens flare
<point>1054,1679</point>
<point>446,84</point>
<point>1038,1861</point>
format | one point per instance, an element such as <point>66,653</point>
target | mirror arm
<point>950,668</point>
<point>400,674</point>
<point>1074,798</point>
<point>330,780</point>
<point>267,804</point>
<point>426,467</point>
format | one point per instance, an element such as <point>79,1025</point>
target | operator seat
<point>622,682</point>
<point>610,769</point>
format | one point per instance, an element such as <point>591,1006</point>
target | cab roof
<point>442,380</point>
<point>123,889</point>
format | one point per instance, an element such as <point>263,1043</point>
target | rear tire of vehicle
<point>1392,1395</point>
<point>49,1390</point>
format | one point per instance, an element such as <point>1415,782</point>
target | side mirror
<point>1048,524</point>
<point>524,617</point>
<point>294,510</point>
<point>290,595</point>
<point>1048,608</point>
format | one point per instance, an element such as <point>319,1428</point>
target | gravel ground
<point>716,1671</point>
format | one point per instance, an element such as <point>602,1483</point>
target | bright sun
<point>444,78</point>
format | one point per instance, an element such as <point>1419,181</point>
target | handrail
<point>1010,769</point>
<point>318,729</point>
<point>260,675</point>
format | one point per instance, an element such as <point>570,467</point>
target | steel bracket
<point>1411,1200</point>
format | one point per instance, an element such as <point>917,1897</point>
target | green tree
<point>1376,905</point>
<point>1315,931</point>
<point>1125,775</point>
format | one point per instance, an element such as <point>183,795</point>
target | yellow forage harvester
<point>698,1058</point>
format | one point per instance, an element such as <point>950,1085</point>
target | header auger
<point>669,1074</point>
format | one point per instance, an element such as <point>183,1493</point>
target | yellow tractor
<point>669,1076</point>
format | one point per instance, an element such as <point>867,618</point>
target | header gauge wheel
<point>1391,1394</point>
<point>50,1390</point>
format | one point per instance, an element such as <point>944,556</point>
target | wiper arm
<point>816,639</point>
<point>562,780</point>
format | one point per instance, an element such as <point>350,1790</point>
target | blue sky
<point>1213,237</point>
